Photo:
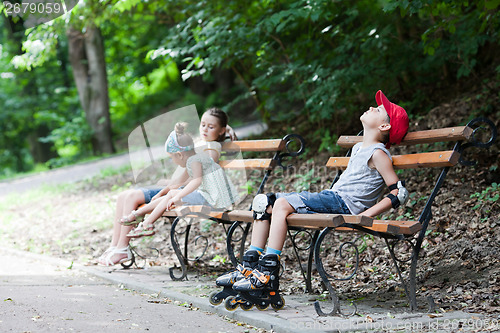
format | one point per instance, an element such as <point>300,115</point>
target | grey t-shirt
<point>359,185</point>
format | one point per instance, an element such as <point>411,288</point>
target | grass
<point>66,218</point>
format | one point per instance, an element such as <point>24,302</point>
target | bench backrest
<point>277,147</point>
<point>290,145</point>
<point>463,136</point>
<point>421,160</point>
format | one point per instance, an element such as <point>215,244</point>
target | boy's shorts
<point>324,202</point>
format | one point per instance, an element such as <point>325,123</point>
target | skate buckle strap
<point>243,270</point>
<point>261,277</point>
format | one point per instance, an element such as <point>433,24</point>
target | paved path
<point>43,295</point>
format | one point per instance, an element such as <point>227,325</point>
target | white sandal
<point>108,262</point>
<point>105,254</point>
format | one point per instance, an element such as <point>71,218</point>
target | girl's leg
<point>148,208</point>
<point>126,202</point>
<point>145,228</point>
<point>160,208</point>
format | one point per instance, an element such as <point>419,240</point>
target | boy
<point>356,192</point>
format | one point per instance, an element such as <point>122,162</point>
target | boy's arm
<point>383,164</point>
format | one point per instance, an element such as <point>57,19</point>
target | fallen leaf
<point>437,315</point>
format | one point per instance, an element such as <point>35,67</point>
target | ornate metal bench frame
<point>285,150</point>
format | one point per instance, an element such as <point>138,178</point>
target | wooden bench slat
<point>313,221</point>
<point>390,227</point>
<point>406,227</point>
<point>186,210</point>
<point>238,215</point>
<point>410,161</point>
<point>419,137</point>
<point>263,163</point>
<point>254,145</point>
<point>358,219</point>
<point>426,160</point>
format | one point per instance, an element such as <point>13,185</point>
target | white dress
<point>216,187</point>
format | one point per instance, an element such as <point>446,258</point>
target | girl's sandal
<point>108,262</point>
<point>142,231</point>
<point>102,259</point>
<point>131,219</point>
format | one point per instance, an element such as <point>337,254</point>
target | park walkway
<point>105,303</point>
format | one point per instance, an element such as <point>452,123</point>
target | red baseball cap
<point>399,119</point>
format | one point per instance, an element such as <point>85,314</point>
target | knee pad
<point>260,204</point>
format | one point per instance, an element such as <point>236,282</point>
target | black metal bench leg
<point>244,239</point>
<point>408,291</point>
<point>310,262</point>
<point>324,277</point>
<point>412,296</point>
<point>186,240</point>
<point>178,253</point>
<point>229,241</point>
<point>305,275</point>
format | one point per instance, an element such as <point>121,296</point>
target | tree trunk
<point>86,54</point>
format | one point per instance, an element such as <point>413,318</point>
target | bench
<point>291,145</point>
<point>391,231</point>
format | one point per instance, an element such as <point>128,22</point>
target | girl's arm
<point>213,149</point>
<point>174,184</point>
<point>383,164</point>
<point>193,184</point>
<point>213,154</point>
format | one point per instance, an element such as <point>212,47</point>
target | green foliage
<point>490,195</point>
<point>32,104</point>
<point>304,181</point>
<point>454,30</point>
<point>219,258</point>
<point>298,57</point>
<point>310,63</point>
<point>328,141</point>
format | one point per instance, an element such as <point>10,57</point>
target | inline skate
<point>261,288</point>
<point>248,263</point>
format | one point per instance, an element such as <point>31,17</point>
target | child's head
<point>179,144</point>
<point>213,125</point>
<point>398,120</point>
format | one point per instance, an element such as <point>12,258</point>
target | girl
<point>205,183</point>
<point>213,127</point>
